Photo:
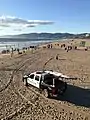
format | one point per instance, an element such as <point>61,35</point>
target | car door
<point>30,79</point>
<point>37,81</point>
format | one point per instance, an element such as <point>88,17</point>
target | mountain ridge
<point>47,36</point>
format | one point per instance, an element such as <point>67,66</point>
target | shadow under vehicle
<point>76,95</point>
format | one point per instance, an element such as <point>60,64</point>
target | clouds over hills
<point>19,23</point>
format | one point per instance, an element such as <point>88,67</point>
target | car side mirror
<point>29,76</point>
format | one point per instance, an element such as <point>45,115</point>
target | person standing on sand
<point>51,45</point>
<point>12,52</point>
<point>57,56</point>
<point>18,50</point>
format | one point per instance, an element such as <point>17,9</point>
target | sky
<point>27,16</point>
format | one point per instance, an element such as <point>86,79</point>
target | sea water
<point>8,45</point>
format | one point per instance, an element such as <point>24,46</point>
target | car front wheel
<point>25,81</point>
<point>46,93</point>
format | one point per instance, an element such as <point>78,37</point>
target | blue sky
<point>53,16</point>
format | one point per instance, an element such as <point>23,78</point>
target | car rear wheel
<point>65,87</point>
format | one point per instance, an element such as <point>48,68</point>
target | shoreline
<point>55,44</point>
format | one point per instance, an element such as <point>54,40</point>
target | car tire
<point>25,82</point>
<point>65,87</point>
<point>64,90</point>
<point>46,93</point>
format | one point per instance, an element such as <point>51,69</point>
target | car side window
<point>31,76</point>
<point>37,78</point>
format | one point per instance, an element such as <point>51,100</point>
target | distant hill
<point>47,36</point>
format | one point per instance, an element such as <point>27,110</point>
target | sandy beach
<point>18,102</point>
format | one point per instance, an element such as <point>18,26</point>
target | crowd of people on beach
<point>18,50</point>
<point>69,47</point>
<point>63,46</point>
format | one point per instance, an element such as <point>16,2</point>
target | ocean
<point>8,45</point>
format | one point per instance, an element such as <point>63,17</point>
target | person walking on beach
<point>12,52</point>
<point>51,45</point>
<point>18,50</point>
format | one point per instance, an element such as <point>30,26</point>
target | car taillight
<point>53,91</point>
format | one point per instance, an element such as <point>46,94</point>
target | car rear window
<point>48,79</point>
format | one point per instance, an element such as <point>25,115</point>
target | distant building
<point>87,35</point>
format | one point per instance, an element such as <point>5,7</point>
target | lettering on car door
<point>31,79</point>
